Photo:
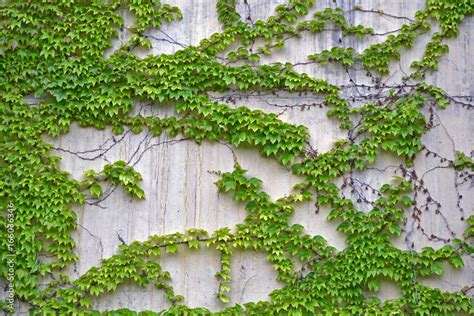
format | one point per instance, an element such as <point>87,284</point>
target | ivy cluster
<point>54,51</point>
<point>117,173</point>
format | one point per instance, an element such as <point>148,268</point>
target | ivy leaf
<point>406,201</point>
<point>96,290</point>
<point>229,80</point>
<point>229,185</point>
<point>287,158</point>
<point>437,268</point>
<point>85,302</point>
<point>173,248</point>
<point>193,244</point>
<point>238,138</point>
<point>394,229</point>
<point>118,129</point>
<point>223,298</point>
<point>138,193</point>
<point>456,261</point>
<point>90,173</point>
<point>95,190</point>
<point>373,285</point>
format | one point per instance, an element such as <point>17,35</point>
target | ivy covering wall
<point>54,51</point>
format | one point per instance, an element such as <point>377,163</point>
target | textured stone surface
<point>179,186</point>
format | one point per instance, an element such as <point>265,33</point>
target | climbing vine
<point>53,51</point>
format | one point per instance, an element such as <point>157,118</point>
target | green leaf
<point>118,129</point>
<point>456,261</point>
<point>287,158</point>
<point>193,244</point>
<point>229,185</point>
<point>95,190</point>
<point>437,268</point>
<point>406,201</point>
<point>373,285</point>
<point>173,248</point>
<point>394,228</point>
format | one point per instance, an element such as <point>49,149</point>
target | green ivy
<point>54,51</point>
<point>117,173</point>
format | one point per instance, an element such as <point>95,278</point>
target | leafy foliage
<point>55,52</point>
<point>117,173</point>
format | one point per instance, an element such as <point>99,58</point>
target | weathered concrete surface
<point>179,187</point>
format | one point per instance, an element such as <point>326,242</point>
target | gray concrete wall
<point>179,189</point>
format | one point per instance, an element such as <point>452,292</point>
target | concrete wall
<point>179,189</point>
